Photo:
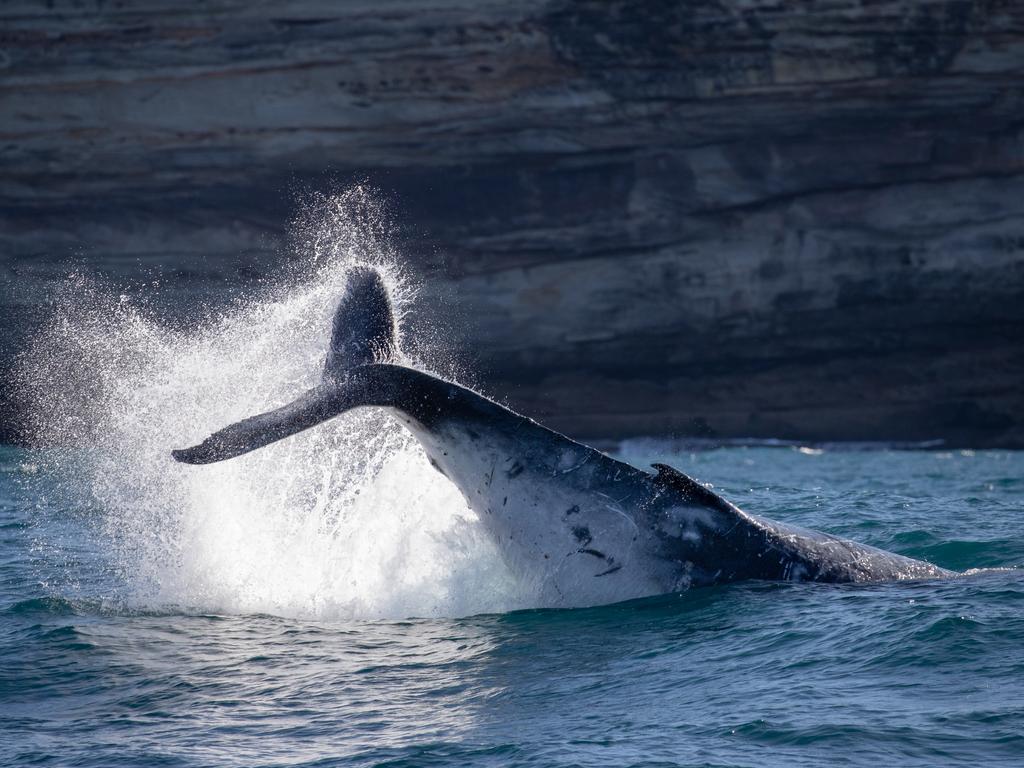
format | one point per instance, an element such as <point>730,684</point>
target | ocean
<point>330,600</point>
<point>113,655</point>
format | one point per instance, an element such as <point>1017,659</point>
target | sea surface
<point>330,599</point>
<point>166,630</point>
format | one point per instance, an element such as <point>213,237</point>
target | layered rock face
<point>736,218</point>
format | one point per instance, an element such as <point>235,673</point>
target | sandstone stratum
<point>801,220</point>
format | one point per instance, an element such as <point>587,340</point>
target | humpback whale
<point>574,524</point>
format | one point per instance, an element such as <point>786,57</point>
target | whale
<point>573,524</point>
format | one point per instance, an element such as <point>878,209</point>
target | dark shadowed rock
<point>724,218</point>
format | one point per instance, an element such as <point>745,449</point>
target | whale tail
<point>364,333</point>
<point>364,325</point>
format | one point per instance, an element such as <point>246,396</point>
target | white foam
<point>345,520</point>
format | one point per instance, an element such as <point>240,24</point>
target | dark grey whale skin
<point>576,514</point>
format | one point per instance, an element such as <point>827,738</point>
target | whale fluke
<point>364,325</point>
<point>363,333</point>
<point>309,409</point>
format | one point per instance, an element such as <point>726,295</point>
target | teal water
<point>101,668</point>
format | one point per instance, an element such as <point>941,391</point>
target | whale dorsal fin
<point>364,325</point>
<point>690,488</point>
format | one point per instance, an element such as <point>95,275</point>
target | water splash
<point>344,520</point>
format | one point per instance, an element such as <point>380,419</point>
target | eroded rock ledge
<point>789,219</point>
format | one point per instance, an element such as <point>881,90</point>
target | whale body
<point>575,525</point>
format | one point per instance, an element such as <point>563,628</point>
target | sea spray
<point>345,520</point>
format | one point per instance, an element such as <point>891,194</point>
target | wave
<point>50,606</point>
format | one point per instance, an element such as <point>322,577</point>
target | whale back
<point>364,325</point>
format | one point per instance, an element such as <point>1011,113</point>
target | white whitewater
<point>346,520</point>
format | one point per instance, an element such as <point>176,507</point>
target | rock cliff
<point>788,218</point>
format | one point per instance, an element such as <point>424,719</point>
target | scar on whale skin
<point>582,534</point>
